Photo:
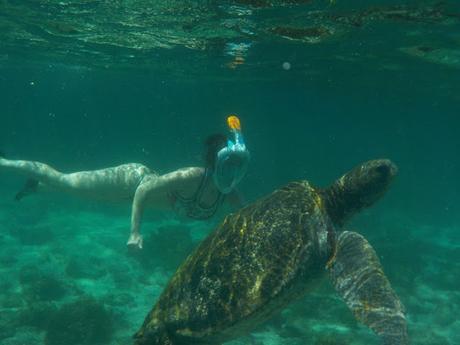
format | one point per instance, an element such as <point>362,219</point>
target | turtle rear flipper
<point>357,276</point>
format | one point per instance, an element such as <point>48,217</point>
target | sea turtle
<point>274,251</point>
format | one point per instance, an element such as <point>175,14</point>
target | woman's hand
<point>135,241</point>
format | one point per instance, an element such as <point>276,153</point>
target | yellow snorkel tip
<point>233,122</point>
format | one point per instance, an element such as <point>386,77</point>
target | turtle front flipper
<point>358,277</point>
<point>154,336</point>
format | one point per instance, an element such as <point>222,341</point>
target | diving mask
<point>232,161</point>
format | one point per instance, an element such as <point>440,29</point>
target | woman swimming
<point>195,192</point>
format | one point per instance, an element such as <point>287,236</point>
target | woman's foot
<point>135,241</point>
<point>29,187</point>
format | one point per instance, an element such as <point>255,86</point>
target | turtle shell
<point>257,261</point>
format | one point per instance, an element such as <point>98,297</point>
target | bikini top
<point>193,207</point>
<point>230,167</point>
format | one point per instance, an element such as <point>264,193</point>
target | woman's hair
<point>213,144</point>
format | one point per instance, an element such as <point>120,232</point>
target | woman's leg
<point>33,170</point>
<point>120,181</point>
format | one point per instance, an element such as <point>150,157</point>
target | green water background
<point>295,128</point>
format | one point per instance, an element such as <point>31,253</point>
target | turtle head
<point>358,189</point>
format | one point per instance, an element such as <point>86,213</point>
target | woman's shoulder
<point>185,173</point>
<point>183,180</point>
<point>173,178</point>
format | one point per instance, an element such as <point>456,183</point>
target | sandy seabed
<point>65,271</point>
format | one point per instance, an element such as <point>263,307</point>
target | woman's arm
<point>135,238</point>
<point>155,191</point>
<point>151,188</point>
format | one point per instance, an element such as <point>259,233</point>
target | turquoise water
<point>319,88</point>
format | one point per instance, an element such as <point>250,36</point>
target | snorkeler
<point>194,192</point>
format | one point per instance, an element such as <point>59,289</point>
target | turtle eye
<point>382,169</point>
<point>386,167</point>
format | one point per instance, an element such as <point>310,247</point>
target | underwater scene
<point>239,172</point>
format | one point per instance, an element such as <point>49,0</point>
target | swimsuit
<point>192,207</point>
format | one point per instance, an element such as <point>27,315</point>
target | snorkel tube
<point>232,160</point>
